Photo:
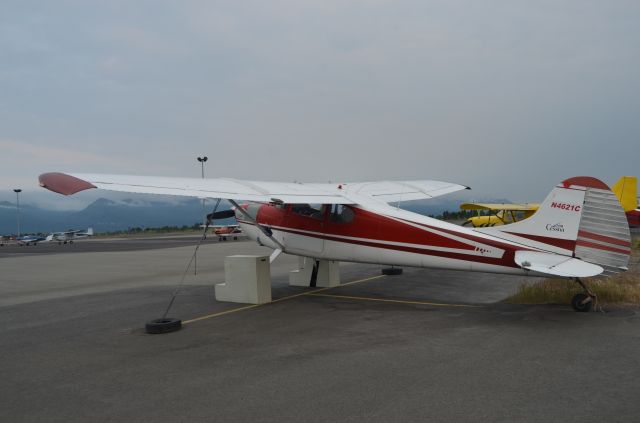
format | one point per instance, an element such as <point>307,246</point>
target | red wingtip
<point>63,183</point>
<point>585,181</point>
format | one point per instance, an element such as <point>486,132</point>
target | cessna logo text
<point>555,228</point>
<point>565,206</point>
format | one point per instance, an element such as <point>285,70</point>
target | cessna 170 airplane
<point>579,230</point>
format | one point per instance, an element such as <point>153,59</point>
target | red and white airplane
<point>579,231</point>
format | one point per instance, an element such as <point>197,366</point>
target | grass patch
<point>623,288</point>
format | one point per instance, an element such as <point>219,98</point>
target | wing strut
<point>266,231</point>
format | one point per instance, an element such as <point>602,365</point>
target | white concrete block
<point>302,275</point>
<point>328,274</point>
<point>247,280</point>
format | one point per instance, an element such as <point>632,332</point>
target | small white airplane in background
<point>580,229</point>
<point>69,236</point>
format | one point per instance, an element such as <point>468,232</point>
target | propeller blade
<point>224,214</point>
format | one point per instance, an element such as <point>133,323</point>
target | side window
<point>341,213</point>
<point>310,210</point>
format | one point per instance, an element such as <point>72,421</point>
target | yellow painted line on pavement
<point>386,300</point>
<point>222,313</point>
<point>234,310</point>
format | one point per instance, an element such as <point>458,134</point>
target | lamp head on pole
<point>203,159</point>
<point>17,190</point>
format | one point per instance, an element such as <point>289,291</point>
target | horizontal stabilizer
<point>556,265</point>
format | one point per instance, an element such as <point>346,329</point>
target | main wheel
<point>163,325</point>
<point>578,304</point>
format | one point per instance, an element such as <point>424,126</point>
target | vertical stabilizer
<point>580,218</point>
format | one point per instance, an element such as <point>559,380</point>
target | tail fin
<point>626,189</point>
<point>580,218</point>
<point>90,231</point>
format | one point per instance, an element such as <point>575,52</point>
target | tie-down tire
<point>163,325</point>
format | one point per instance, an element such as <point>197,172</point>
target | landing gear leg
<point>584,301</point>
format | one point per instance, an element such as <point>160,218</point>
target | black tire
<point>392,271</point>
<point>576,303</point>
<point>163,325</point>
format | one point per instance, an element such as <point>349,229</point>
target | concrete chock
<point>327,273</point>
<point>247,280</point>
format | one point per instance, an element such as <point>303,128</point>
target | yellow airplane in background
<point>626,189</point>
<point>501,214</point>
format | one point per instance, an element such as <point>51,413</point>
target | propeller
<point>224,214</point>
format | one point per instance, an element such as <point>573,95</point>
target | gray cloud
<point>509,97</point>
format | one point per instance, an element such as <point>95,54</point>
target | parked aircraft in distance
<point>501,214</point>
<point>626,189</point>
<point>69,236</point>
<point>227,231</point>
<point>30,240</point>
<point>21,240</point>
<point>580,230</point>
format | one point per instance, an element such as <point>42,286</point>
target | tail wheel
<point>582,302</point>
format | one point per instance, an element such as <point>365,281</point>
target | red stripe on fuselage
<point>491,242</point>
<point>364,225</point>
<point>507,259</point>
<point>567,244</point>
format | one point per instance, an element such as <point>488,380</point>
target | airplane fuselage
<point>387,236</point>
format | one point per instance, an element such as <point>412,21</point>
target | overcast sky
<point>509,97</point>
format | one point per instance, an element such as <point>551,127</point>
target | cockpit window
<point>309,210</point>
<point>341,213</point>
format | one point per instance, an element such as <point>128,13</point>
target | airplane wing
<point>498,207</point>
<point>398,191</point>
<point>235,189</point>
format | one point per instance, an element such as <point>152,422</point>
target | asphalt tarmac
<point>424,346</point>
<point>87,245</point>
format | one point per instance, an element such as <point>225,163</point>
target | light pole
<point>18,191</point>
<point>204,213</point>
<point>202,160</point>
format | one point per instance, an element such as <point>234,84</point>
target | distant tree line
<point>455,215</point>
<point>159,230</point>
